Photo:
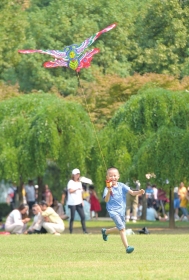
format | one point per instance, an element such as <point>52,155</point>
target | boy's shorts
<point>119,221</point>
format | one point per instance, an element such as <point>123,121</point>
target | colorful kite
<point>75,64</point>
<point>71,56</point>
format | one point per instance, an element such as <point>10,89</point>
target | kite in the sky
<point>71,56</point>
<point>75,64</point>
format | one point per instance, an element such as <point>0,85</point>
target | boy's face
<point>113,175</point>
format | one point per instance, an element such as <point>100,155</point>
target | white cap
<point>75,171</point>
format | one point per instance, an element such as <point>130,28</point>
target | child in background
<point>95,204</point>
<point>115,198</point>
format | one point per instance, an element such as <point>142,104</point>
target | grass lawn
<point>78,256</point>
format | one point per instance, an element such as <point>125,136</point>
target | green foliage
<point>42,129</point>
<point>12,33</point>
<point>162,35</point>
<point>149,134</point>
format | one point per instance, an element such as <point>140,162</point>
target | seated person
<point>151,214</point>
<point>36,226</point>
<point>16,221</point>
<point>52,221</point>
<point>58,208</point>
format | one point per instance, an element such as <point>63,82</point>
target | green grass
<point>79,256</point>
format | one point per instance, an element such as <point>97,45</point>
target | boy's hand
<point>110,189</point>
<point>108,184</point>
<point>142,191</point>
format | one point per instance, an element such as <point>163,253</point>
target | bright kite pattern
<point>71,56</point>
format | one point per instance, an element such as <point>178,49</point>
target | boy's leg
<point>105,232</point>
<point>124,238</point>
<point>111,230</point>
<point>129,249</point>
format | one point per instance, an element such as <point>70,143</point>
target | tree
<point>40,130</point>
<point>160,38</point>
<point>152,129</point>
<point>12,35</point>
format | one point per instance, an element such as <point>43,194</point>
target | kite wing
<point>55,63</point>
<point>55,53</point>
<point>85,60</point>
<point>85,44</point>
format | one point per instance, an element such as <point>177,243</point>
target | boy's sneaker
<point>129,249</point>
<point>104,235</point>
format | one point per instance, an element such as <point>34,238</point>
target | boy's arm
<point>134,193</point>
<point>107,197</point>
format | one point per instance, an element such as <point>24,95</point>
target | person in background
<point>176,204</point>
<point>162,200</point>
<point>51,220</point>
<point>155,200</point>
<point>85,193</point>
<point>132,203</point>
<point>151,213</point>
<point>17,220</point>
<point>149,194</point>
<point>37,221</point>
<point>11,196</point>
<point>58,208</point>
<point>75,199</point>
<point>184,198</point>
<point>94,201</point>
<point>30,195</point>
<point>47,196</point>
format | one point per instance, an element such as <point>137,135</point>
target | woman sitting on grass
<point>16,221</point>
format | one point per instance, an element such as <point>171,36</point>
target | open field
<point>78,256</point>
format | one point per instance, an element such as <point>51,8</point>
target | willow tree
<point>152,128</point>
<point>38,130</point>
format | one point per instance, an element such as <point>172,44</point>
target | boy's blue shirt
<point>117,202</point>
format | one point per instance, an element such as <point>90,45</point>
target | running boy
<point>115,198</point>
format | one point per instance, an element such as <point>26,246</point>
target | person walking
<point>115,198</point>
<point>75,199</point>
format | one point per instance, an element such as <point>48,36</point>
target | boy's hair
<point>112,168</point>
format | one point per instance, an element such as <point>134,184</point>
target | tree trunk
<point>143,217</point>
<point>40,189</point>
<point>171,209</point>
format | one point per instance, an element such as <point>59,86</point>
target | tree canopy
<point>148,134</point>
<point>40,130</point>
<point>151,36</point>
